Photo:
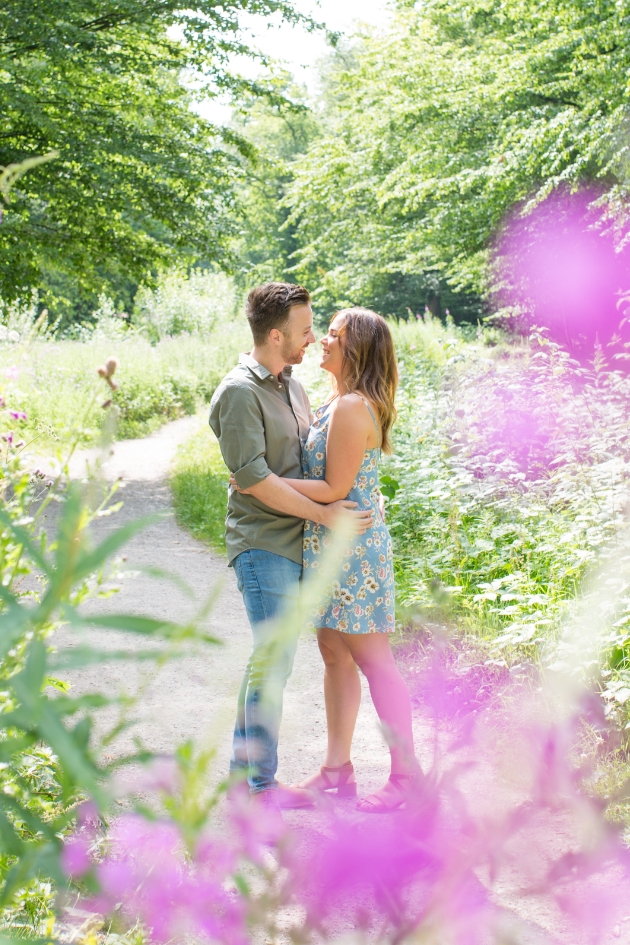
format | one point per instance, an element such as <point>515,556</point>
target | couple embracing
<point>294,473</point>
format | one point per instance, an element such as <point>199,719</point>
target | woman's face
<point>332,345</point>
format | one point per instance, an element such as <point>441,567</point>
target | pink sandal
<point>379,805</point>
<point>343,787</point>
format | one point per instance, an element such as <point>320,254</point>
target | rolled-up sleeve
<point>236,419</point>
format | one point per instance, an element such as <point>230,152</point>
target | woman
<point>341,460</point>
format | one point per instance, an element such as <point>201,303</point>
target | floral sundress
<point>362,599</point>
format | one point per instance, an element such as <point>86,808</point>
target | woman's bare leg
<point>373,654</point>
<point>342,694</point>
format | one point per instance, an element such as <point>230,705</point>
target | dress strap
<point>378,429</point>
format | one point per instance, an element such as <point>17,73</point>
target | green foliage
<point>192,303</point>
<point>434,129</point>
<point>280,132</point>
<point>49,758</point>
<point>52,381</point>
<point>199,484</point>
<point>507,488</point>
<point>141,180</point>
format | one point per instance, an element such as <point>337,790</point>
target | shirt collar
<point>259,370</point>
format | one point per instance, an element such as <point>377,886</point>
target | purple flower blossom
<point>561,265</point>
<point>17,415</point>
<point>75,858</point>
<point>428,870</point>
<point>174,897</point>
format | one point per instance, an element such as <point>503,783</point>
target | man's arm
<point>278,494</point>
<point>235,419</point>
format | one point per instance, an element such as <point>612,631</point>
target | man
<point>260,414</point>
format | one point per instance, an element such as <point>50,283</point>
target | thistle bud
<point>107,404</point>
<point>110,366</point>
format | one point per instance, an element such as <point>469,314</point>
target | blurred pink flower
<point>18,415</point>
<point>75,858</point>
<point>12,373</point>
<point>173,896</point>
<point>560,264</point>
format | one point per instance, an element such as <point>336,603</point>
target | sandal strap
<point>397,778</point>
<point>344,771</point>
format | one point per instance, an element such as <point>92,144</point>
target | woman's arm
<point>350,427</point>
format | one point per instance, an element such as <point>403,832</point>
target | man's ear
<point>275,337</point>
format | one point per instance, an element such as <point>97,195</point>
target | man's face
<point>298,334</point>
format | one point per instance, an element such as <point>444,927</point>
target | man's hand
<point>236,486</point>
<point>344,510</point>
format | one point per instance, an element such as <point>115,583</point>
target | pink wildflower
<point>75,857</point>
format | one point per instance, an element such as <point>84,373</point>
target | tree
<point>439,127</point>
<point>280,131</point>
<point>140,179</point>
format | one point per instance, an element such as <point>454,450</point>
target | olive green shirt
<point>260,421</point>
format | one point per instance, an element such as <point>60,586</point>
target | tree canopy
<point>140,179</point>
<point>433,130</point>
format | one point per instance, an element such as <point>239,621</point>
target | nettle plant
<point>508,487</point>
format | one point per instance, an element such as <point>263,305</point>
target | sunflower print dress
<point>362,599</point>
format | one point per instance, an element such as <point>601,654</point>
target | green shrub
<point>50,757</point>
<point>507,487</point>
<point>186,303</point>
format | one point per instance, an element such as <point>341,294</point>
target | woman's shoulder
<point>351,401</point>
<point>354,404</point>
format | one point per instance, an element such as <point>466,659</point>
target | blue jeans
<point>269,584</point>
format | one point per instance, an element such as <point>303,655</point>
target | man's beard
<point>291,355</point>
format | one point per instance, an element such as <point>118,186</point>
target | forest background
<point>142,233</point>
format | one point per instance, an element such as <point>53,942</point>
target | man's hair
<point>268,307</point>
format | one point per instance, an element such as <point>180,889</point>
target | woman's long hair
<point>369,364</point>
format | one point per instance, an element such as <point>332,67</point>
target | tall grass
<point>199,482</point>
<point>52,381</point>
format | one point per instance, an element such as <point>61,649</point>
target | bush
<point>508,486</point>
<point>50,758</point>
<point>192,304</point>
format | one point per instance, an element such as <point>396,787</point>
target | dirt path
<point>194,697</point>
